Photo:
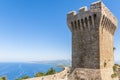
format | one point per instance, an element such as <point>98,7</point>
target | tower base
<point>91,74</point>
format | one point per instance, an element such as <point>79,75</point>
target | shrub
<point>115,68</point>
<point>3,78</point>
<point>50,71</point>
<point>114,75</point>
<point>23,77</point>
<point>39,74</point>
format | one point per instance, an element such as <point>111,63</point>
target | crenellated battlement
<point>88,19</point>
<point>96,6</point>
<point>83,9</point>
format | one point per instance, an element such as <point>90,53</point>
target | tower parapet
<point>83,9</point>
<point>98,13</point>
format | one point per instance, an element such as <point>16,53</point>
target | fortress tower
<point>92,42</point>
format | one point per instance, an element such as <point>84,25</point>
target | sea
<point>17,70</point>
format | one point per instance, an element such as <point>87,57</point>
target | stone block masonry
<point>63,75</point>
<point>92,42</point>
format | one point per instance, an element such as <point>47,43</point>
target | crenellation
<point>72,13</point>
<point>83,9</point>
<point>82,23</point>
<point>96,7</point>
<point>107,13</point>
<point>96,3</point>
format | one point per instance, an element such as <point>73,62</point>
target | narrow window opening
<point>86,22</point>
<point>72,26</point>
<point>90,20</point>
<point>79,24</point>
<point>82,23</point>
<point>95,18</point>
<point>75,25</point>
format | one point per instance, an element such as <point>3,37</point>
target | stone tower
<point>92,42</point>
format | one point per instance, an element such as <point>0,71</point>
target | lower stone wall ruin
<point>59,76</point>
<point>91,74</point>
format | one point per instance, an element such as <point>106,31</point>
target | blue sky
<point>33,30</point>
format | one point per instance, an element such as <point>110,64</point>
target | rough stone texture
<point>85,74</point>
<point>92,41</point>
<point>119,73</point>
<point>91,74</point>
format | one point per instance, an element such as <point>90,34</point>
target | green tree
<point>114,75</point>
<point>39,74</point>
<point>50,71</point>
<point>18,79</point>
<point>22,78</point>
<point>115,68</point>
<point>3,78</point>
<point>25,77</point>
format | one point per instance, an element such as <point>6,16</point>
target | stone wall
<point>85,74</point>
<point>59,76</point>
<point>85,38</point>
<point>91,74</point>
<point>92,42</point>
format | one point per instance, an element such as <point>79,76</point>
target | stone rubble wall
<point>58,76</point>
<point>91,74</point>
<point>85,74</point>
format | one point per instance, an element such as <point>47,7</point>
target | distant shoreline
<point>24,68</point>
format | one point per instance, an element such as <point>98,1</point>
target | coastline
<point>21,69</point>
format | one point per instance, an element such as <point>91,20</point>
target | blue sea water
<point>17,70</point>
